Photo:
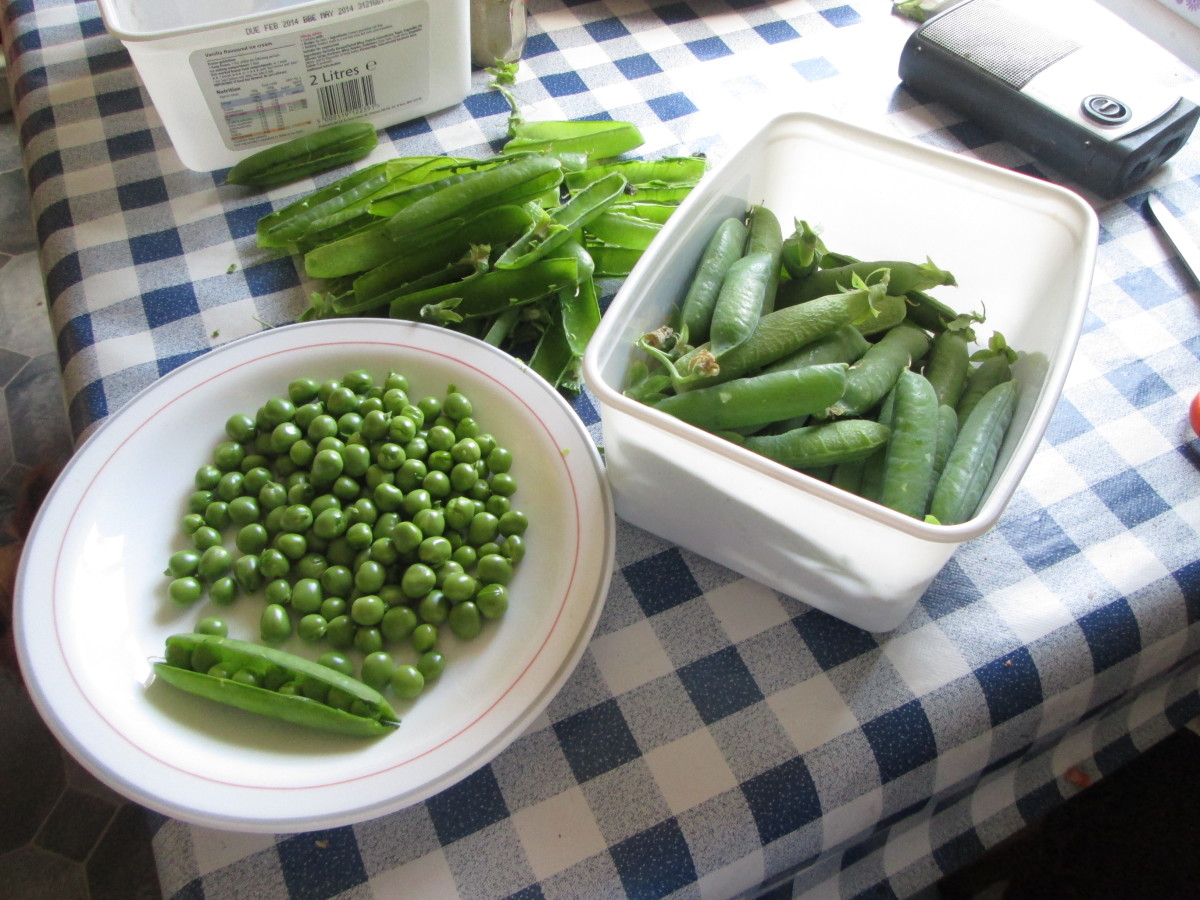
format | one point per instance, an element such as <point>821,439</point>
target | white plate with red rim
<point>92,612</point>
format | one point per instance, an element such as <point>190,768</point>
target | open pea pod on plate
<point>275,684</point>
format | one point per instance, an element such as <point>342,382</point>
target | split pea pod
<point>560,224</point>
<point>553,358</point>
<point>370,247</point>
<point>649,212</point>
<point>274,683</point>
<point>905,276</point>
<point>874,375</point>
<point>421,183</point>
<point>671,193</point>
<point>515,182</point>
<point>739,305</point>
<point>827,444</point>
<point>622,230</point>
<point>488,293</point>
<point>374,244</point>
<point>345,206</point>
<point>676,170</point>
<point>498,225</point>
<point>760,399</point>
<point>909,462</point>
<point>579,305</point>
<point>329,204</point>
<point>305,155</point>
<point>723,249</point>
<point>613,262</point>
<point>349,304</point>
<point>598,139</point>
<point>973,457</point>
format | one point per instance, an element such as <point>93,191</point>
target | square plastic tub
<point>231,77</point>
<point>1022,251</point>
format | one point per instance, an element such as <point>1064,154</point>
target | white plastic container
<point>1022,250</point>
<point>234,76</point>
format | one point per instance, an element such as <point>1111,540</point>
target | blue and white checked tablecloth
<point>717,739</point>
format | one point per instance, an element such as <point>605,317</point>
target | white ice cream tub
<point>236,76</point>
<point>1022,249</point>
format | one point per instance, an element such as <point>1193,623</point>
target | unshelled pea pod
<point>924,310</point>
<point>305,155</point>
<point>973,457</point>
<point>802,250</point>
<point>759,399</point>
<point>765,235</point>
<point>909,461</point>
<point>904,277</point>
<point>598,139</point>
<point>871,479</point>
<point>274,683</point>
<point>846,345</point>
<point>723,249</point>
<point>932,314</point>
<point>948,364</point>
<point>990,372</point>
<point>874,375</point>
<point>890,312</point>
<point>947,433</point>
<point>785,331</point>
<point>827,444</point>
<point>562,222</point>
<point>739,305</point>
<point>513,182</point>
<point>849,475</point>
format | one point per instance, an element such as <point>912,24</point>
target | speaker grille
<point>997,40</point>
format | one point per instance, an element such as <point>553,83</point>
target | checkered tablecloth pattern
<point>717,739</point>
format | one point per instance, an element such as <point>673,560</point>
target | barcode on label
<point>346,97</point>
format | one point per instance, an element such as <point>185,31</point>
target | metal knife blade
<point>1177,234</point>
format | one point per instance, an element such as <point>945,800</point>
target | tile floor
<point>63,835</point>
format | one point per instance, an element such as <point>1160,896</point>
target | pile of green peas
<point>366,519</point>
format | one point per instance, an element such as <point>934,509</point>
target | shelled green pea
<point>367,518</point>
